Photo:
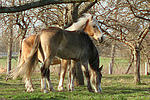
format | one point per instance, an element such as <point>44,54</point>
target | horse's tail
<point>31,61</point>
<point>20,62</point>
<point>20,53</point>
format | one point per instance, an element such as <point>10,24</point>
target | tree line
<point>125,24</point>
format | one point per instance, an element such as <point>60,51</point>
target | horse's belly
<point>69,55</point>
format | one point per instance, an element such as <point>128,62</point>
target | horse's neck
<point>94,58</point>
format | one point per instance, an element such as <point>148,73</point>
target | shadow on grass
<point>123,90</point>
<point>11,85</point>
<point>111,86</point>
<point>115,77</point>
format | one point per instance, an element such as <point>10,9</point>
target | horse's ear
<point>84,25</point>
<point>87,22</point>
<point>92,17</point>
<point>100,69</point>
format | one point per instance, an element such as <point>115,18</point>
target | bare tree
<point>36,4</point>
<point>128,27</point>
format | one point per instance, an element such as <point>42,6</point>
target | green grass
<point>120,66</point>
<point>3,63</point>
<point>114,87</point>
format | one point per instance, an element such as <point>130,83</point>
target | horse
<point>90,25</point>
<point>86,23</point>
<point>69,45</point>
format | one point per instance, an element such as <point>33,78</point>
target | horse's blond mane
<point>80,24</point>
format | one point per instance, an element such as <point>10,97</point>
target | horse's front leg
<point>87,75</point>
<point>28,85</point>
<point>69,77</point>
<point>63,69</point>
<point>43,85</point>
<point>71,80</point>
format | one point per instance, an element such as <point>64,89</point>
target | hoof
<point>91,91</point>
<point>71,89</point>
<point>60,88</point>
<point>52,90</point>
<point>45,91</point>
<point>30,90</point>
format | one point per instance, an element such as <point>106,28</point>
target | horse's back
<point>65,44</point>
<point>77,46</point>
<point>27,45</point>
<point>50,33</point>
<point>29,41</point>
<point>50,39</point>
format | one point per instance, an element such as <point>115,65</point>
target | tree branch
<point>87,7</point>
<point>117,39</point>
<point>144,33</point>
<point>131,8</point>
<point>36,4</point>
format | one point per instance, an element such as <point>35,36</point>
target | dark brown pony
<point>70,45</point>
<point>87,23</point>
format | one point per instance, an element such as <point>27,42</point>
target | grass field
<point>114,87</point>
<point>120,67</point>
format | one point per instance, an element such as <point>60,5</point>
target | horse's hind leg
<point>45,74</point>
<point>63,69</point>
<point>29,85</point>
<point>44,71</point>
<point>50,86</point>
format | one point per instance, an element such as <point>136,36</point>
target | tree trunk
<point>79,80</point>
<point>9,52</point>
<point>112,57</point>
<point>130,64</point>
<point>137,65</point>
<point>72,17</point>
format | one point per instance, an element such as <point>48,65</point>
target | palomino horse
<point>86,23</point>
<point>70,45</point>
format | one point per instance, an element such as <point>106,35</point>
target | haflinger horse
<point>86,23</point>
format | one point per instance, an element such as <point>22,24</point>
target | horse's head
<point>93,29</point>
<point>95,79</point>
<point>89,25</point>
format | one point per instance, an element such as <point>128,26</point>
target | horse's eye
<point>94,26</point>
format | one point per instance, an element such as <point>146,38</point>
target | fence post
<point>146,68</point>
<point>110,68</point>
